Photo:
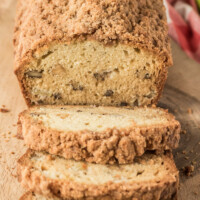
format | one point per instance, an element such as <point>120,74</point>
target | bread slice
<point>91,52</point>
<point>98,134</point>
<point>151,177</point>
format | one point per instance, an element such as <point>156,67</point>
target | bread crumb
<point>12,152</point>
<point>3,106</point>
<point>183,132</point>
<point>189,111</point>
<point>184,152</point>
<point>188,170</point>
<point>4,110</point>
<point>194,162</point>
<point>195,193</point>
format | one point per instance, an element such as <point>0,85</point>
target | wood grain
<point>181,92</point>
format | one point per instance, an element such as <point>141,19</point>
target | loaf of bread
<point>98,134</point>
<point>96,52</point>
<point>151,177</point>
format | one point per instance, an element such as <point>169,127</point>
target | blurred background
<point>184,25</point>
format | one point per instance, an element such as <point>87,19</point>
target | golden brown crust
<point>109,146</point>
<point>139,23</point>
<point>148,190</point>
<point>30,196</point>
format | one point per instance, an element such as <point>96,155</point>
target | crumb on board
<point>4,110</point>
<point>183,132</point>
<point>189,111</point>
<point>194,162</point>
<point>184,152</point>
<point>195,193</point>
<point>186,158</point>
<point>188,170</point>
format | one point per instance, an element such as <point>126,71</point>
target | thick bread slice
<point>33,196</point>
<point>151,177</point>
<point>98,134</point>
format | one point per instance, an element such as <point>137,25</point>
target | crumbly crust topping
<point>165,188</point>
<point>111,146</point>
<point>140,23</point>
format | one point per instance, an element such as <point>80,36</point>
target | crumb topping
<point>140,23</point>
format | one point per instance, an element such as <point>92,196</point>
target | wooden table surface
<point>182,92</point>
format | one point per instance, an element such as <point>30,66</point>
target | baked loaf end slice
<point>91,52</point>
<point>98,134</point>
<point>151,177</point>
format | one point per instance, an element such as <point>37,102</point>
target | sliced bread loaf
<point>98,134</point>
<point>151,177</point>
<point>91,52</point>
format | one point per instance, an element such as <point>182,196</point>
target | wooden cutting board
<point>181,96</point>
